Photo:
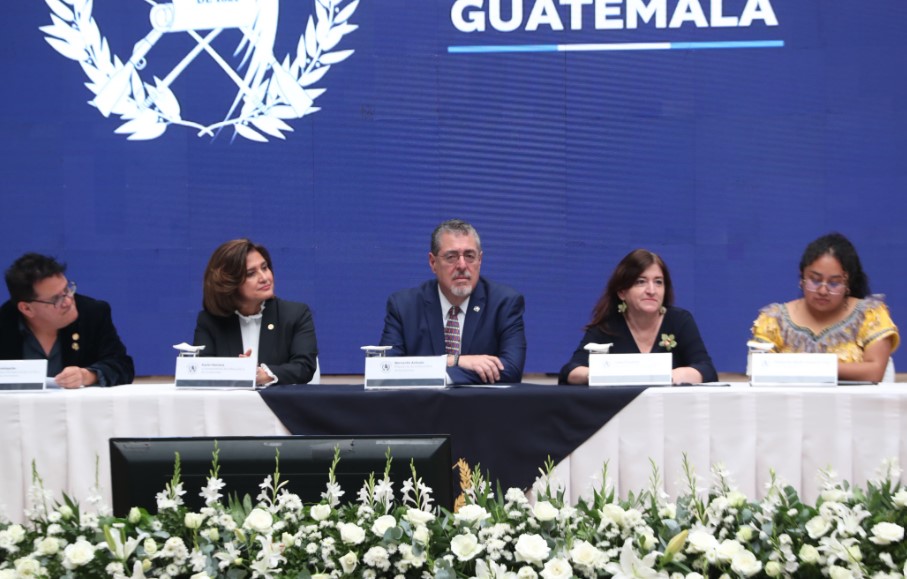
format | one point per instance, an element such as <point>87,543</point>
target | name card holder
<point>19,375</point>
<point>794,369</point>
<point>213,373</point>
<point>405,372</point>
<point>630,369</point>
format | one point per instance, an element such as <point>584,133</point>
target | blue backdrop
<point>723,140</point>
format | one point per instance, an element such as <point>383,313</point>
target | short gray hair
<point>455,226</point>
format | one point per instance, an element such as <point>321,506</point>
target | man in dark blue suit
<point>477,323</point>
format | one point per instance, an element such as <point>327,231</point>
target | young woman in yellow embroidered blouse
<point>836,314</point>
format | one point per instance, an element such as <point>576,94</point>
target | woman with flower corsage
<point>636,315</point>
<point>837,313</point>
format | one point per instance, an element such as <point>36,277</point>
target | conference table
<point>794,430</point>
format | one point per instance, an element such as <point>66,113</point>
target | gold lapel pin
<point>270,326</point>
<point>75,337</point>
<point>75,346</point>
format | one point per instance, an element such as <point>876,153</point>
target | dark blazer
<point>493,326</point>
<point>89,342</point>
<point>286,343</point>
<point>690,350</point>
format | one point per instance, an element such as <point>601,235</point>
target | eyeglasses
<point>57,300</point>
<point>836,287</point>
<point>452,257</point>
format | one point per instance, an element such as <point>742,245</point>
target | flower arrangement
<point>716,532</point>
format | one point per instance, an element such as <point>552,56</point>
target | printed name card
<point>794,369</point>
<point>215,372</point>
<point>629,369</point>
<point>17,375</point>
<point>405,372</point>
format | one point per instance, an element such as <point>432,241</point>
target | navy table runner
<point>509,432</point>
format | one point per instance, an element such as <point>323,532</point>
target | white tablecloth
<point>796,431</point>
<point>63,431</point>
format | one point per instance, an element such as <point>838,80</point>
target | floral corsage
<point>668,342</point>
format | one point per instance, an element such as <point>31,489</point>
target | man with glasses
<point>477,323</point>
<point>45,319</point>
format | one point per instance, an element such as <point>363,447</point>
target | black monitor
<point>141,467</point>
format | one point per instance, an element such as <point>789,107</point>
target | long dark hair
<point>840,248</point>
<point>625,275</point>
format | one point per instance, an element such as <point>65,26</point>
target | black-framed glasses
<point>453,257</point>
<point>57,300</point>
<point>834,287</point>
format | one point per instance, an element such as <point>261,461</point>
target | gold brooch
<point>270,326</point>
<point>75,337</point>
<point>75,346</point>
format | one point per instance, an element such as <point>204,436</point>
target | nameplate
<point>629,369</point>
<point>405,372</point>
<point>18,375</point>
<point>794,369</point>
<point>215,373</point>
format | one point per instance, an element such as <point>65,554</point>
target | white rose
<point>744,534</point>
<point>544,511</point>
<point>728,549</point>
<point>7,574</point>
<point>421,534</point>
<point>201,575</point>
<point>349,562</point>
<point>745,563</point>
<point>613,513</point>
<point>809,554</point>
<point>585,554</point>
<point>773,569</point>
<point>382,524</point>
<point>47,546</point>
<point>193,520</point>
<point>418,516</point>
<point>150,547</point>
<point>557,569</point>
<point>65,511</point>
<point>900,498</point>
<point>886,533</point>
<point>835,572</point>
<point>700,541</point>
<point>27,567</point>
<point>465,547</point>
<point>736,499</point>
<point>135,515</point>
<point>321,512</point>
<point>15,533</point>
<point>817,527</point>
<point>77,554</point>
<point>526,573</point>
<point>258,520</point>
<point>351,533</point>
<point>471,514</point>
<point>532,549</point>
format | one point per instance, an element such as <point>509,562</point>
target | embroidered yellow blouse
<point>868,323</point>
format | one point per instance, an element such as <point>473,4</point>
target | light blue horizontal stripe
<point>503,48</point>
<point>728,44</point>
